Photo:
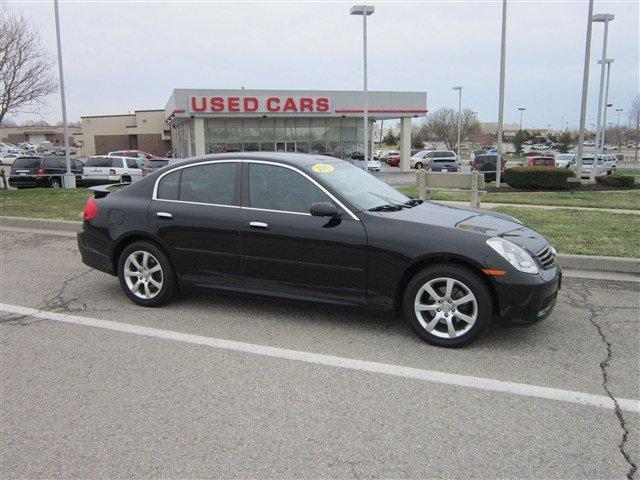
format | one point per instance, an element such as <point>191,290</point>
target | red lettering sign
<point>290,105</point>
<point>198,108</point>
<point>254,104</point>
<point>217,104</point>
<point>273,104</point>
<point>322,104</point>
<point>306,104</point>
<point>234,104</point>
<point>250,104</point>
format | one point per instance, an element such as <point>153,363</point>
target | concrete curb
<point>568,261</point>
<point>41,224</point>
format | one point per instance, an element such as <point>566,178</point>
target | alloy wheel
<point>143,274</point>
<point>446,307</point>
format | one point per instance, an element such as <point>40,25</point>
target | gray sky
<point>121,56</point>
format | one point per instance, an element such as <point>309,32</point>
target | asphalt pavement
<point>115,390</point>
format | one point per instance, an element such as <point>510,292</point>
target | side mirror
<point>324,209</point>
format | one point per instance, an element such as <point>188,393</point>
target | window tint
<point>131,163</point>
<point>28,162</point>
<point>168,186</point>
<point>278,188</point>
<point>55,163</point>
<point>212,183</point>
<point>99,162</point>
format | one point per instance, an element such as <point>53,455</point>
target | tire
<point>477,310</point>
<point>125,179</point>
<point>143,289</point>
<point>55,183</point>
<point>418,165</point>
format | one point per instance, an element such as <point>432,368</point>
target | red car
<point>134,154</point>
<point>393,160</point>
<point>539,161</point>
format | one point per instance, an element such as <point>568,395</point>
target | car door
<point>195,212</point>
<point>287,250</point>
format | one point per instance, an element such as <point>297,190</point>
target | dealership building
<point>307,121</point>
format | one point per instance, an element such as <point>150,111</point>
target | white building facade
<point>307,121</point>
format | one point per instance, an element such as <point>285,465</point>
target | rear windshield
<point>482,159</point>
<point>444,156</point>
<point>28,162</point>
<point>101,162</point>
<point>54,162</point>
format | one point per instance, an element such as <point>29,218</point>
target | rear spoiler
<point>102,191</point>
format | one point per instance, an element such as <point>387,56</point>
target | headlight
<point>513,254</point>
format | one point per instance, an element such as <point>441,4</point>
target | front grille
<point>547,257</point>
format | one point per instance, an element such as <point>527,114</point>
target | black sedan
<point>316,228</point>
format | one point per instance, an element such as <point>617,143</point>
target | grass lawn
<point>624,199</point>
<point>584,232</point>
<point>56,204</point>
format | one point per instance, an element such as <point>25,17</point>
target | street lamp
<point>601,18</point>
<point>365,11</point>
<point>600,148</point>
<point>69,178</point>
<point>522,109</point>
<point>585,88</point>
<point>459,118</point>
<point>618,129</point>
<point>501,94</point>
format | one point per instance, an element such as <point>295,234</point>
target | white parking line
<point>524,389</point>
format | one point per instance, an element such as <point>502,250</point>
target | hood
<point>486,223</point>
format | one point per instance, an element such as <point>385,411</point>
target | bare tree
<point>25,67</point>
<point>443,125</point>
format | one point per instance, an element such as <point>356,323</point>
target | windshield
<point>357,186</point>
<point>587,161</point>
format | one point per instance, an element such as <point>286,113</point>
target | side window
<point>116,162</point>
<point>278,188</point>
<point>169,186</point>
<point>55,163</point>
<point>131,163</point>
<point>211,183</point>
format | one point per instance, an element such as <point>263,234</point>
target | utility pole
<point>522,109</point>
<point>459,89</point>
<point>585,88</point>
<point>69,178</point>
<point>600,150</point>
<point>501,99</point>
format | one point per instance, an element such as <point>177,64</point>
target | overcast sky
<point>121,56</point>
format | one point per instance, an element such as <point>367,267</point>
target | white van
<point>102,169</point>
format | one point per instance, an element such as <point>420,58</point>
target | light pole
<point>459,89</point>
<point>608,62</point>
<point>501,96</point>
<point>69,178</point>
<point>522,109</point>
<point>618,128</point>
<point>601,18</point>
<point>585,88</point>
<point>365,11</point>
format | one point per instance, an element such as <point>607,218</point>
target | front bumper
<point>530,303</point>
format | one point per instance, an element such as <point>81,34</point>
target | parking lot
<point>115,390</point>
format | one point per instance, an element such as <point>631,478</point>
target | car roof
<point>289,158</point>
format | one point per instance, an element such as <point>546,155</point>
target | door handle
<point>258,225</point>
<point>166,215</point>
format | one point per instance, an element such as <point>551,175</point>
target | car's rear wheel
<point>55,183</point>
<point>146,274</point>
<point>125,179</point>
<point>447,305</point>
<point>418,166</point>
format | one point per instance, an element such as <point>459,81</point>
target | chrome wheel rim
<point>143,274</point>
<point>446,307</point>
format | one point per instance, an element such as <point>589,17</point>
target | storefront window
<point>279,129</point>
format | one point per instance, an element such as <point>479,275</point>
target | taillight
<point>144,171</point>
<point>112,171</point>
<point>90,209</point>
<point>39,171</point>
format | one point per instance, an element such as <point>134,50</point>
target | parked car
<point>541,146</point>
<point>393,159</point>
<point>386,153</point>
<point>152,165</point>
<point>134,154</point>
<point>539,161</point>
<point>35,171</point>
<point>611,147</point>
<point>315,228</point>
<point>418,160</point>
<point>588,167</point>
<point>589,143</point>
<point>565,160</point>
<point>103,169</point>
<point>374,165</point>
<point>8,158</point>
<point>610,162</point>
<point>486,164</point>
<point>443,161</point>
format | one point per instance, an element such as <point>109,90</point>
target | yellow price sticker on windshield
<point>323,168</point>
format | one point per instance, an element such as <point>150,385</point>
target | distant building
<point>142,130</point>
<point>491,128</point>
<point>37,134</point>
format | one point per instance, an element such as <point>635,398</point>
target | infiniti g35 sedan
<point>310,227</point>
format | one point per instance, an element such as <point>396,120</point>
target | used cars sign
<point>202,104</point>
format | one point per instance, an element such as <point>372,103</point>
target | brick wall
<point>153,143</point>
<point>109,143</point>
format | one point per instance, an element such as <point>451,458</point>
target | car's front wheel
<point>55,183</point>
<point>447,305</point>
<point>418,166</point>
<point>146,274</point>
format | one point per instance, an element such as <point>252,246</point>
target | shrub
<point>549,178</point>
<point>616,181</point>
